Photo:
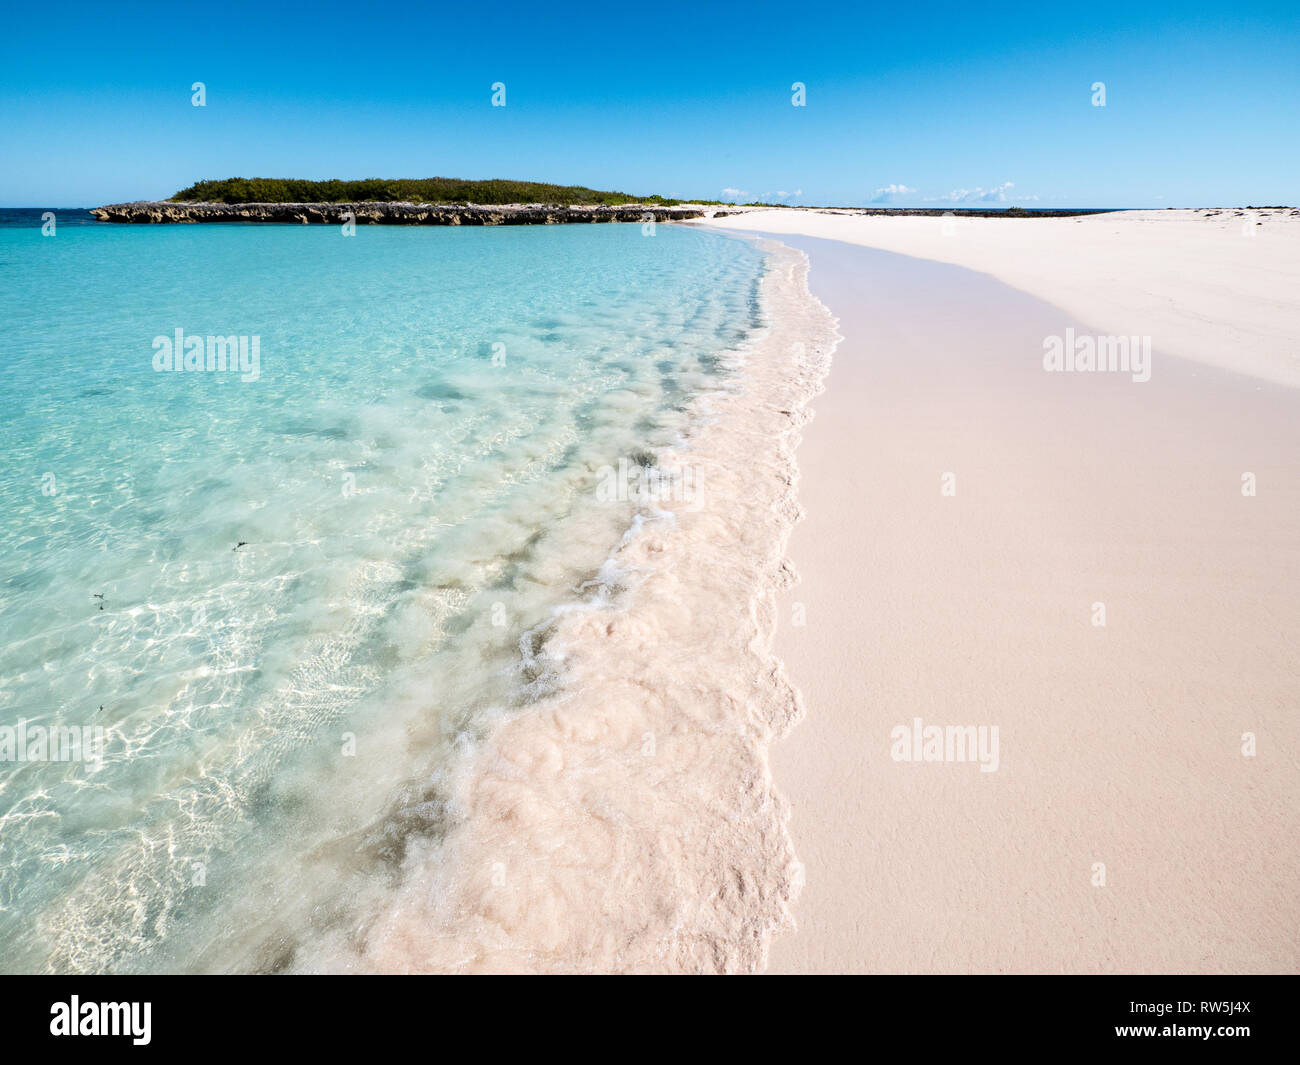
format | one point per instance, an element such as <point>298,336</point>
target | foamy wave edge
<point>628,822</point>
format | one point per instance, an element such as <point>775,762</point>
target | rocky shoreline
<point>393,214</point>
<point>475,214</point>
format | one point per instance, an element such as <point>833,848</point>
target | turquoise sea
<point>326,572</point>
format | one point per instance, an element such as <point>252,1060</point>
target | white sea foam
<point>627,821</point>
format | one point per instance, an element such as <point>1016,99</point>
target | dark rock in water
<point>440,391</point>
<point>329,433</point>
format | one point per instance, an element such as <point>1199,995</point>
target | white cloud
<point>997,194</point>
<point>733,194</point>
<point>887,193</point>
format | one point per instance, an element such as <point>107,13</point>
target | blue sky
<point>961,104</point>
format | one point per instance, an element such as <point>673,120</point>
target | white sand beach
<point>1217,286</point>
<point>1145,808</point>
<point>1090,575</point>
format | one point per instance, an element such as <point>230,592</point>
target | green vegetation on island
<point>404,190</point>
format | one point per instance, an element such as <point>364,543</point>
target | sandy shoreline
<point>628,822</point>
<point>1218,287</point>
<point>964,515</point>
<point>1124,829</point>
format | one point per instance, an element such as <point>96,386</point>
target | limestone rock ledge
<point>393,214</point>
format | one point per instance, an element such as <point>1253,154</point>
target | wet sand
<point>1120,745</point>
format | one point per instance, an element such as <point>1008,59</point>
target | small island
<point>378,201</point>
<point>453,202</point>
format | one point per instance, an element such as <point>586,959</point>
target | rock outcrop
<point>478,214</point>
<point>392,214</point>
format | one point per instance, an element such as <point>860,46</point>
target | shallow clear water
<point>413,474</point>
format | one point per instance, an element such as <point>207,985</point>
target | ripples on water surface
<point>414,474</point>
